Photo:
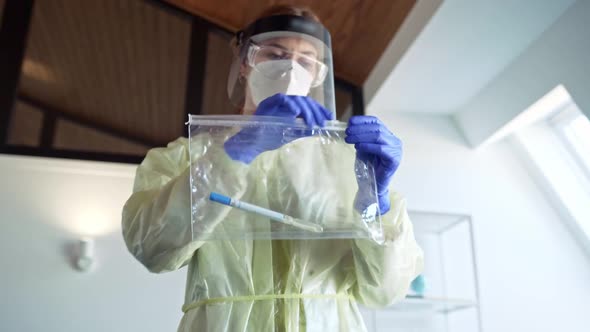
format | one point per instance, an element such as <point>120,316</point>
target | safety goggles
<point>260,53</point>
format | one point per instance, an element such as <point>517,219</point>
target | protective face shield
<point>282,54</point>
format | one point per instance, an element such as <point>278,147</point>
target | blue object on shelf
<point>419,285</point>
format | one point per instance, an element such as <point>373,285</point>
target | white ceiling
<point>461,49</point>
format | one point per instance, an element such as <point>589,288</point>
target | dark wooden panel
<point>361,30</point>
<point>14,28</point>
<point>70,136</point>
<point>1,9</point>
<point>219,58</point>
<point>25,126</point>
<point>195,89</point>
<point>120,63</point>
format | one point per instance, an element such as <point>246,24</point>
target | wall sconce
<point>85,255</point>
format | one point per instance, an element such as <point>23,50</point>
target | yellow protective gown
<point>262,285</point>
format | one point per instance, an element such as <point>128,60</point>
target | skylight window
<point>577,134</point>
<point>557,147</point>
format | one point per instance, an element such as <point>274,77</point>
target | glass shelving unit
<point>450,300</point>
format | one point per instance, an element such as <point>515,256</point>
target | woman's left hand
<point>376,144</point>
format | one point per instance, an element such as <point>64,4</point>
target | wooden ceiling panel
<point>361,29</point>
<point>122,66</point>
<point>120,63</point>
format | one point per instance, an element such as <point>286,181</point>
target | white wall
<point>45,205</point>
<point>533,276</point>
<point>404,38</point>
<point>559,56</point>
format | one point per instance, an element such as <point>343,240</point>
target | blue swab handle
<point>219,198</point>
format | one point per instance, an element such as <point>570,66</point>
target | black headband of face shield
<point>290,23</point>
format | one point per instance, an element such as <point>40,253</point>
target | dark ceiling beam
<point>86,122</point>
<point>358,102</point>
<point>14,29</point>
<point>356,93</point>
<point>47,130</point>
<point>197,64</point>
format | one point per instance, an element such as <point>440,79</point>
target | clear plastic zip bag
<point>261,177</point>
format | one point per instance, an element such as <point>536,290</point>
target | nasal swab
<point>276,216</point>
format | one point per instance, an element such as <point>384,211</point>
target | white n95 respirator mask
<point>268,78</point>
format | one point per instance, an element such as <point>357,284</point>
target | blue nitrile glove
<point>252,141</point>
<point>374,143</point>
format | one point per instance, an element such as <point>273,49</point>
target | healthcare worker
<point>282,68</point>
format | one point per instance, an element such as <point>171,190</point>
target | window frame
<point>552,128</point>
<point>559,123</point>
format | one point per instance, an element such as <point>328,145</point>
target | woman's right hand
<point>252,141</point>
<point>293,107</point>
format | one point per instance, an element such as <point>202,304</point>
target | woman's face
<point>283,48</point>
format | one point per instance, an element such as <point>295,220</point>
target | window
<point>576,131</point>
<point>557,148</point>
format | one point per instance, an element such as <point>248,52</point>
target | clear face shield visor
<point>307,64</point>
<point>296,59</point>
